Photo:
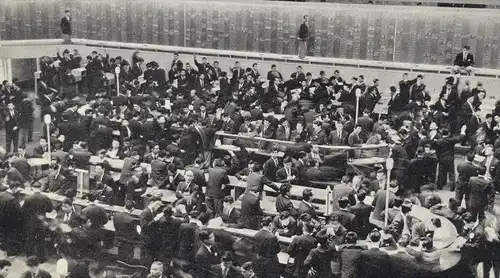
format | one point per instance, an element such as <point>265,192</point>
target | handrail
<point>364,147</point>
<point>328,61</point>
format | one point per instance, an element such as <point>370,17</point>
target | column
<point>6,70</point>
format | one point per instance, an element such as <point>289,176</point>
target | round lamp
<point>47,119</point>
<point>117,70</point>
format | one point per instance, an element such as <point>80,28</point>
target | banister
<point>346,148</point>
<point>382,65</point>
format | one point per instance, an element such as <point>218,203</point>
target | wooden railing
<point>281,142</point>
<point>12,49</point>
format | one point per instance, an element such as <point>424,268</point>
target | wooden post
<point>83,181</point>
<point>389,164</point>
<point>329,201</point>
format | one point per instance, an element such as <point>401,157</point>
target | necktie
<point>465,57</point>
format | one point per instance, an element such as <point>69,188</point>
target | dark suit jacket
<point>65,25</point>
<point>266,244</point>
<point>460,61</point>
<point>284,203</point>
<point>282,177</point>
<point>11,121</point>
<point>335,140</point>
<point>362,212</point>
<point>299,249</point>
<point>306,208</point>
<point>207,262</point>
<point>169,231</point>
<point>347,219</point>
<point>233,219</point>
<point>159,173</point>
<point>465,170</point>
<point>445,148</point>
<point>350,255</point>
<point>216,178</point>
<point>128,165</point>
<point>251,212</point>
<point>270,168</point>
<point>186,241</point>
<point>481,193</point>
<point>125,227</point>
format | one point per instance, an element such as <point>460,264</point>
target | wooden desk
<point>232,148</point>
<point>38,161</point>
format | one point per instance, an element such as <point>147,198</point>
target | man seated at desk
<point>137,185</point>
<point>55,182</point>
<point>187,192</point>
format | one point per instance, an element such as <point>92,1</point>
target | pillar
<point>6,70</point>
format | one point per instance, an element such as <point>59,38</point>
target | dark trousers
<point>12,137</point>
<point>446,173</point>
<point>214,204</point>
<point>462,191</point>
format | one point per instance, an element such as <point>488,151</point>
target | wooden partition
<point>422,35</point>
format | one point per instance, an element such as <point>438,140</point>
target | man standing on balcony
<point>302,37</point>
<point>66,26</point>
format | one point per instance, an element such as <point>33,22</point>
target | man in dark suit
<point>306,206</point>
<point>271,166</point>
<point>148,220</point>
<point>465,170</point>
<point>11,128</point>
<point>187,192</point>
<point>207,257</point>
<point>66,26</point>
<point>346,219</point>
<point>362,212</point>
<point>168,227</point>
<point>55,182</point>
<point>445,149</point>
<point>287,173</point>
<point>67,214</point>
<point>216,187</point>
<point>267,247</point>
<point>366,123</point>
<point>300,247</point>
<point>126,234</point>
<point>231,216</point>
<point>159,172</point>
<point>186,238</point>
<point>481,194</point>
<point>93,212</point>
<point>417,90</point>
<point>136,185</point>
<point>228,125</point>
<point>464,61</point>
<point>237,72</point>
<point>251,212</point>
<point>34,271</point>
<point>338,137</point>
<point>128,164</point>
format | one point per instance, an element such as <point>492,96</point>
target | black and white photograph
<point>250,139</point>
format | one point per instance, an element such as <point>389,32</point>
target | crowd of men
<point>171,119</point>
